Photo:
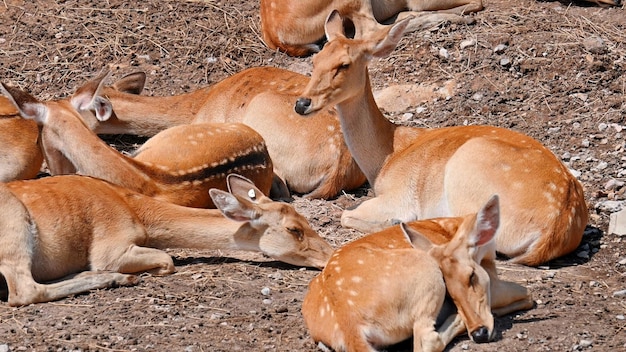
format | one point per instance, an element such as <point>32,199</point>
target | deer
<point>181,167</point>
<point>86,233</point>
<point>20,155</point>
<point>297,27</point>
<point>420,173</point>
<point>315,164</point>
<point>387,286</point>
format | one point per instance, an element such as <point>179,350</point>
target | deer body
<point>58,226</point>
<point>390,285</point>
<point>180,166</point>
<point>297,27</point>
<point>315,162</point>
<point>422,173</point>
<point>20,155</point>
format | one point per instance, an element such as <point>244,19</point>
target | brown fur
<point>63,225</point>
<point>421,173</point>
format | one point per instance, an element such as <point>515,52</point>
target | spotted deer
<point>309,155</point>
<point>296,27</point>
<point>419,173</point>
<point>179,166</point>
<point>57,227</point>
<point>390,285</point>
<point>20,155</point>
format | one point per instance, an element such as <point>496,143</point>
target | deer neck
<point>148,115</point>
<point>173,226</point>
<point>90,156</point>
<point>368,134</point>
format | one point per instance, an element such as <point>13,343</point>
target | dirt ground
<point>553,70</point>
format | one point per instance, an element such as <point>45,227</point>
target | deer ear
<point>28,106</point>
<point>487,222</point>
<point>334,26</point>
<point>232,207</point>
<point>84,98</point>
<point>244,188</point>
<point>416,239</point>
<point>388,42</point>
<point>102,107</point>
<point>132,83</point>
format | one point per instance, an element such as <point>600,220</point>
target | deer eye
<point>296,232</point>
<point>343,67</point>
<point>473,279</point>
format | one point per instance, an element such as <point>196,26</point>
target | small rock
<point>505,62</point>
<point>602,126</point>
<point>469,42</point>
<point>500,48</point>
<point>622,262</point>
<point>407,116</point>
<point>594,45</point>
<point>585,143</point>
<point>621,293</point>
<point>583,255</point>
<point>443,53</point>
<point>617,223</point>
<point>613,184</point>
<point>4,348</point>
<point>477,96</point>
<point>553,130</point>
<point>602,165</point>
<point>585,343</point>
<point>620,317</point>
<point>265,291</point>
<point>267,301</point>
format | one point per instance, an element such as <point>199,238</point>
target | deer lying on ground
<point>62,225</point>
<point>20,155</point>
<point>384,287</point>
<point>204,154</point>
<point>296,27</point>
<point>421,173</point>
<point>309,155</point>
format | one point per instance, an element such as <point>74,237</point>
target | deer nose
<point>302,105</point>
<point>480,335</point>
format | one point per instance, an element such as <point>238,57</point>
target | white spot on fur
<point>357,279</point>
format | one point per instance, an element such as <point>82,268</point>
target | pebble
<point>443,53</point>
<point>4,348</point>
<point>500,48</point>
<point>585,343</point>
<point>505,61</point>
<point>265,291</point>
<point>620,317</point>
<point>469,42</point>
<point>267,301</point>
<point>621,293</point>
<point>594,45</point>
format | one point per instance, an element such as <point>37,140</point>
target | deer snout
<point>481,335</point>
<point>303,105</point>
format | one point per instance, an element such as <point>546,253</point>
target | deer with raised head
<point>309,155</point>
<point>20,155</point>
<point>390,285</point>
<point>419,173</point>
<point>54,227</point>
<point>193,158</point>
<point>296,27</point>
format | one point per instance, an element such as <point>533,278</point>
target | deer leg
<point>373,215</point>
<point>137,259</point>
<point>452,327</point>
<point>425,338</point>
<point>506,297</point>
<point>24,290</point>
